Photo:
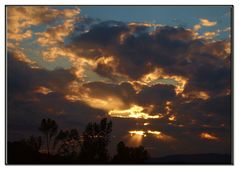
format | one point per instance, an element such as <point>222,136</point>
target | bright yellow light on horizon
<point>154,132</point>
<point>134,112</point>
<point>159,135</point>
<point>136,137</point>
<point>137,132</point>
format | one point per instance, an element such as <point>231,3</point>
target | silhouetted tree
<point>96,138</point>
<point>35,142</point>
<point>49,128</point>
<point>130,155</point>
<point>67,142</point>
<point>70,147</point>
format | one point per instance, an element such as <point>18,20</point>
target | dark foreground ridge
<point>210,158</point>
<point>18,154</point>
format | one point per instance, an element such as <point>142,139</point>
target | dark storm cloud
<point>214,113</point>
<point>156,95</point>
<point>21,78</point>
<point>26,107</point>
<point>165,48</point>
<point>221,108</point>
<point>212,79</point>
<point>102,34</point>
<point>124,91</point>
<point>175,50</point>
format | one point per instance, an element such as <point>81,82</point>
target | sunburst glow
<point>134,112</point>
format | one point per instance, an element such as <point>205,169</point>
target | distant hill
<point>211,158</point>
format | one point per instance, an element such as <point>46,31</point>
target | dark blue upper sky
<point>184,16</point>
<point>169,15</point>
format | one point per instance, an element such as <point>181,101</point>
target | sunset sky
<point>162,74</point>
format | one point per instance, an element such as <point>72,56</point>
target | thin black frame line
<point>153,5</point>
<point>232,86</point>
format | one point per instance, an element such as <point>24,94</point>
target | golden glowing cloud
<point>160,135</point>
<point>207,23</point>
<point>172,118</point>
<point>56,34</point>
<point>70,13</point>
<point>137,85</point>
<point>157,134</point>
<point>107,104</point>
<point>20,55</point>
<point>134,112</point>
<point>208,136</point>
<point>123,37</point>
<point>181,82</point>
<point>18,37</point>
<point>150,77</point>
<point>132,26</point>
<point>52,53</point>
<point>79,93</point>
<point>197,95</point>
<point>43,90</point>
<point>22,17</point>
<point>154,132</point>
<point>158,73</point>
<point>168,107</point>
<point>137,132</point>
<point>206,35</point>
<point>197,27</point>
<point>164,137</point>
<point>210,35</point>
<point>144,24</point>
<point>80,62</point>
<point>227,47</point>
<point>146,123</point>
<point>203,95</point>
<point>168,103</point>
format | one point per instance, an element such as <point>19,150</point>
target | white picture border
<point>236,57</point>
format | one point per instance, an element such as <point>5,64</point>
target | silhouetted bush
<point>130,155</point>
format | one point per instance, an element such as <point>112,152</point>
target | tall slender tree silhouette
<point>49,128</point>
